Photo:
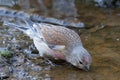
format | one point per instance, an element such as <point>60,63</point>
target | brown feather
<point>59,35</point>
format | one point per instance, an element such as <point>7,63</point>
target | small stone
<point>4,72</point>
<point>118,39</point>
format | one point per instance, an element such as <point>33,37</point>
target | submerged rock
<point>108,3</point>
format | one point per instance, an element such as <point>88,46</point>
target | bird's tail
<point>11,24</point>
<point>30,28</point>
<point>36,28</point>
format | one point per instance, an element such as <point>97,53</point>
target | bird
<point>58,42</point>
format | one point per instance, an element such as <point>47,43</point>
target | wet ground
<point>101,38</point>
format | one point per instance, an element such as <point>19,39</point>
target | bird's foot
<point>32,56</point>
<point>47,61</point>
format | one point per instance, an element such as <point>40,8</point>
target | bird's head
<point>80,58</point>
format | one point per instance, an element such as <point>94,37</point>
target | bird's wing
<point>59,35</point>
<point>57,47</point>
<point>37,28</point>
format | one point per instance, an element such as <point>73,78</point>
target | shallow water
<point>101,38</point>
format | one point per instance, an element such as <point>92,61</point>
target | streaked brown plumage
<point>59,35</point>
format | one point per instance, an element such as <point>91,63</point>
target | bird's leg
<point>49,62</point>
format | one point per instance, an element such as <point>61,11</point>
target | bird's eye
<point>80,62</point>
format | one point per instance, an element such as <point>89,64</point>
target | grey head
<point>79,57</point>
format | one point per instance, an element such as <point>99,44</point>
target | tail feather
<point>21,28</point>
<point>31,29</point>
<point>30,24</point>
<point>35,28</point>
<point>24,29</point>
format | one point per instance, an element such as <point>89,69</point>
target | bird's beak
<point>87,68</point>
